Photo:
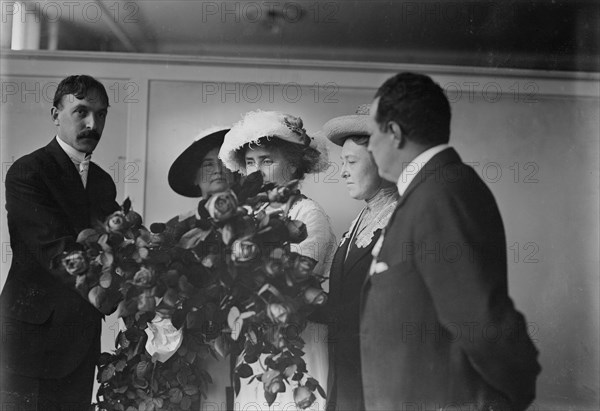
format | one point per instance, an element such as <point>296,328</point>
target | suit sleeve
<point>461,255</point>
<point>41,227</point>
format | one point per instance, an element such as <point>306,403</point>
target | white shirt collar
<point>416,165</point>
<point>75,155</point>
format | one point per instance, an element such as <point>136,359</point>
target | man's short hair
<point>418,105</point>
<point>81,86</point>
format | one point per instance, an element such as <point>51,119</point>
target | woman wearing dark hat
<point>198,172</point>
<point>276,144</point>
<point>353,257</point>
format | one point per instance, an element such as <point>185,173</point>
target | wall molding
<point>371,67</point>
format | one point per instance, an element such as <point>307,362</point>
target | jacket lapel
<point>337,269</point>
<point>433,169</point>
<point>73,198</point>
<point>356,254</point>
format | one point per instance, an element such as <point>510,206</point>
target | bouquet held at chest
<point>222,282</point>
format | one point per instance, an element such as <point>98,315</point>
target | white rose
<point>163,338</point>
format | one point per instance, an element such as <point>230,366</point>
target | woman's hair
<point>305,159</point>
<point>360,140</point>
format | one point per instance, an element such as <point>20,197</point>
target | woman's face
<point>272,164</point>
<point>359,170</point>
<point>212,177</point>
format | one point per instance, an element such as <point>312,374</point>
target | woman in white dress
<point>276,144</point>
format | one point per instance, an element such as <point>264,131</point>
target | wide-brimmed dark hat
<point>182,174</point>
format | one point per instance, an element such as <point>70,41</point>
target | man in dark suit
<point>50,331</point>
<point>438,329</point>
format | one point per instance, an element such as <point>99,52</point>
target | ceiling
<point>548,35</point>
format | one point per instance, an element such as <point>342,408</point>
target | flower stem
<point>152,375</point>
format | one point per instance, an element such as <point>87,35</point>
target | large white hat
<point>257,124</point>
<point>339,128</point>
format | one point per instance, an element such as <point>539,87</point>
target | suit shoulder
<point>29,164</point>
<point>460,191</point>
<point>454,179</point>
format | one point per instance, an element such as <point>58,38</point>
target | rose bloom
<point>273,381</point>
<point>315,296</point>
<point>302,268</point>
<point>303,397</point>
<point>75,263</point>
<point>279,194</point>
<point>222,206</point>
<point>163,338</point>
<point>243,251</point>
<point>278,313</point>
<point>297,231</point>
<point>144,277</point>
<point>116,222</point>
<point>134,219</point>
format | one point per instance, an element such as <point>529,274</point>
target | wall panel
<point>533,136</point>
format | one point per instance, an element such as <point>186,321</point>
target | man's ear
<point>54,114</point>
<point>397,133</point>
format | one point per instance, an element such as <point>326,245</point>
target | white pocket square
<point>378,267</point>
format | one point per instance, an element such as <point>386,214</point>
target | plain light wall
<point>533,138</point>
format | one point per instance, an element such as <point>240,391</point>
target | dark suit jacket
<point>341,314</point>
<point>438,329</point>
<point>48,327</point>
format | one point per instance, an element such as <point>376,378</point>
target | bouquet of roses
<point>273,289</point>
<point>101,255</point>
<point>222,282</point>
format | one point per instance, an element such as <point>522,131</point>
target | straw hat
<point>339,128</point>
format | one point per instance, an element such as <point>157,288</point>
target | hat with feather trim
<point>338,129</point>
<point>182,174</point>
<point>256,125</point>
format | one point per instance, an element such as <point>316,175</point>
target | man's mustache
<point>89,134</point>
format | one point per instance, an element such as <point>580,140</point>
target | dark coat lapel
<point>356,254</point>
<point>337,270</point>
<point>433,169</point>
<point>73,198</point>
